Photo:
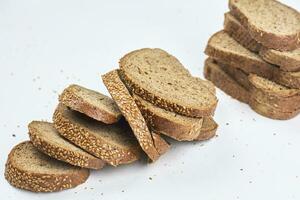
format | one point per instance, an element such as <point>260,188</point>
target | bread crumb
<point>227,124</point>
<point>101,193</point>
<point>150,178</point>
<point>122,191</point>
<point>39,88</point>
<point>241,169</point>
<point>14,135</point>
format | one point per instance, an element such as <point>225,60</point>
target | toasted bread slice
<point>132,114</point>
<point>258,103</point>
<point>44,137</point>
<point>286,60</point>
<point>271,23</point>
<point>27,168</point>
<point>113,143</point>
<point>91,103</point>
<point>235,29</point>
<point>161,79</point>
<point>168,123</point>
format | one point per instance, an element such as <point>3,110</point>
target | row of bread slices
<point>90,129</point>
<point>262,69</point>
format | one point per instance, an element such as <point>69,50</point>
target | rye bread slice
<point>27,168</point>
<point>131,112</point>
<point>112,143</point>
<point>161,79</point>
<point>168,123</point>
<point>223,47</point>
<point>45,138</point>
<point>286,60</point>
<point>222,80</point>
<point>91,103</point>
<point>271,23</point>
<point>235,29</point>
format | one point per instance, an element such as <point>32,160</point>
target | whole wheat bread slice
<point>161,79</point>
<point>27,168</point>
<point>208,129</point>
<point>288,79</point>
<point>230,86</point>
<point>91,103</point>
<point>132,114</point>
<point>286,60</point>
<point>271,23</point>
<point>44,137</point>
<point>113,143</point>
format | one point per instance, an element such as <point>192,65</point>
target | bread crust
<point>288,79</point>
<point>70,98</point>
<point>41,182</point>
<point>82,137</point>
<point>63,154</point>
<point>267,39</point>
<point>131,112</point>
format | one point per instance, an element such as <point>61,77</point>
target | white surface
<point>46,45</point>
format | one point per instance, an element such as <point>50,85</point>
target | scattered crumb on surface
<point>61,71</point>
<point>85,188</point>
<point>227,124</point>
<point>91,188</point>
<point>250,182</point>
<point>122,191</point>
<point>11,74</point>
<point>150,178</point>
<point>101,193</point>
<point>233,156</point>
<point>14,135</point>
<point>254,120</point>
<point>241,169</point>
<point>274,134</point>
<point>99,180</point>
<point>18,126</point>
<point>39,88</point>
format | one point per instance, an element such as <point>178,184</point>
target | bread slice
<point>131,112</point>
<point>168,123</point>
<point>27,168</point>
<point>223,47</point>
<point>113,143</point>
<point>222,80</point>
<point>161,79</point>
<point>286,60</point>
<point>235,29</point>
<point>45,138</point>
<point>271,23</point>
<point>91,103</point>
<point>288,79</point>
<point>208,129</point>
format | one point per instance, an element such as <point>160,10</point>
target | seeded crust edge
<point>109,153</point>
<point>160,102</point>
<point>269,40</point>
<point>129,109</point>
<point>38,182</point>
<point>71,99</point>
<point>63,154</point>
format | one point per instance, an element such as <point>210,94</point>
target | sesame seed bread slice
<point>168,123</point>
<point>132,114</point>
<point>112,143</point>
<point>161,79</point>
<point>235,29</point>
<point>223,47</point>
<point>286,60</point>
<point>45,138</point>
<point>91,103</point>
<point>271,23</point>
<point>27,168</point>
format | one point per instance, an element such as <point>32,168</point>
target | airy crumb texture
<point>161,79</point>
<point>131,112</point>
<point>91,103</point>
<point>28,169</point>
<point>271,23</point>
<point>113,143</point>
<point>44,137</point>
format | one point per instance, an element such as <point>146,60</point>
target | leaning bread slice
<point>91,103</point>
<point>168,123</point>
<point>288,79</point>
<point>157,77</point>
<point>112,143</point>
<point>131,112</point>
<point>208,129</point>
<point>223,47</point>
<point>27,168</point>
<point>271,23</point>
<point>44,137</point>
<point>235,29</point>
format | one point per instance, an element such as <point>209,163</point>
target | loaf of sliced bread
<point>131,112</point>
<point>45,138</point>
<point>274,25</point>
<point>27,168</point>
<point>286,60</point>
<point>91,103</point>
<point>161,79</point>
<point>113,143</point>
<point>168,123</point>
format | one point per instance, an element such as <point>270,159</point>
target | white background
<point>46,45</point>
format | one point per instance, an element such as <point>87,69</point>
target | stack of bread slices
<point>153,96</point>
<point>256,58</point>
